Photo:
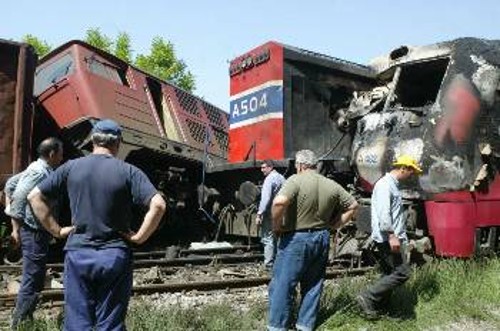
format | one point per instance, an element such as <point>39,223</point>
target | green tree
<point>163,63</point>
<point>41,46</point>
<point>123,50</point>
<point>99,40</point>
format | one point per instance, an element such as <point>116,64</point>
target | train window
<point>52,73</point>
<point>106,70</point>
<point>419,83</point>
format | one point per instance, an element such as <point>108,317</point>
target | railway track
<point>56,297</point>
<point>186,257</point>
<point>168,271</point>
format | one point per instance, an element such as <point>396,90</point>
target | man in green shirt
<point>303,212</point>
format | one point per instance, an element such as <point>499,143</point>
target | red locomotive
<point>438,103</point>
<point>166,130</point>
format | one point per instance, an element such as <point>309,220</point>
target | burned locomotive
<point>438,103</point>
<point>167,132</point>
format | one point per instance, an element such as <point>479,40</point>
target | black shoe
<point>366,306</point>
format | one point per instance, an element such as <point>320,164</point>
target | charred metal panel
<point>437,103</point>
<point>17,67</point>
<point>287,100</point>
<point>317,88</point>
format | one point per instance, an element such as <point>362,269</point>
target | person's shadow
<point>401,305</point>
<point>405,298</point>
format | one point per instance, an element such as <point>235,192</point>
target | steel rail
<point>177,262</point>
<point>201,251</point>
<point>58,295</point>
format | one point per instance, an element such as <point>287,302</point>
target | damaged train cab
<point>439,103</point>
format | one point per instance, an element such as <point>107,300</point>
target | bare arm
<point>157,207</point>
<point>280,203</point>
<point>42,212</point>
<point>15,236</point>
<point>346,216</point>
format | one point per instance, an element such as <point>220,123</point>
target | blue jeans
<point>98,284</point>
<point>301,258</point>
<point>268,239</point>
<point>35,247</point>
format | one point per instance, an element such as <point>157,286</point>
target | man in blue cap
<point>98,264</point>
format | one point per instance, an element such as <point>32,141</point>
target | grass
<point>212,317</point>
<point>438,294</point>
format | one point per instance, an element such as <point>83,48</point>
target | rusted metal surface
<point>17,66</point>
<point>204,251</point>
<point>217,259</point>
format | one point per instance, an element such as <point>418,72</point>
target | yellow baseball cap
<point>408,161</point>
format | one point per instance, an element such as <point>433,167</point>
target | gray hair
<point>306,157</point>
<point>104,139</point>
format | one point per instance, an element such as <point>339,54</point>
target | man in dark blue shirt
<point>98,266</point>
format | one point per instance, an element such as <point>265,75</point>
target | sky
<point>208,34</point>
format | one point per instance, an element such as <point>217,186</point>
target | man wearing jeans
<point>98,263</point>
<point>389,235</point>
<point>303,212</point>
<point>27,230</point>
<point>270,187</point>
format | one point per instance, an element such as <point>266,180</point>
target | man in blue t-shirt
<point>98,265</point>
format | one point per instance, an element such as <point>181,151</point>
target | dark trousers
<point>98,284</point>
<point>35,247</point>
<point>395,271</point>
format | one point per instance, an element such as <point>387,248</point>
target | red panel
<point>488,205</point>
<point>257,75</point>
<point>268,136</point>
<point>464,196</point>
<point>63,103</point>
<point>488,213</point>
<point>452,226</point>
<point>493,192</point>
<point>266,133</point>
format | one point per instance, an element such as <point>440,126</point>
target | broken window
<point>420,82</point>
<point>106,70</point>
<point>52,73</point>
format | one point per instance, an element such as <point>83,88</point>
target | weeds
<point>439,293</point>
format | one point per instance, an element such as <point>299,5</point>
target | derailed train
<point>167,132</point>
<point>438,103</point>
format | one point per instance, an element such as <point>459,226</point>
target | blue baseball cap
<point>107,126</point>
